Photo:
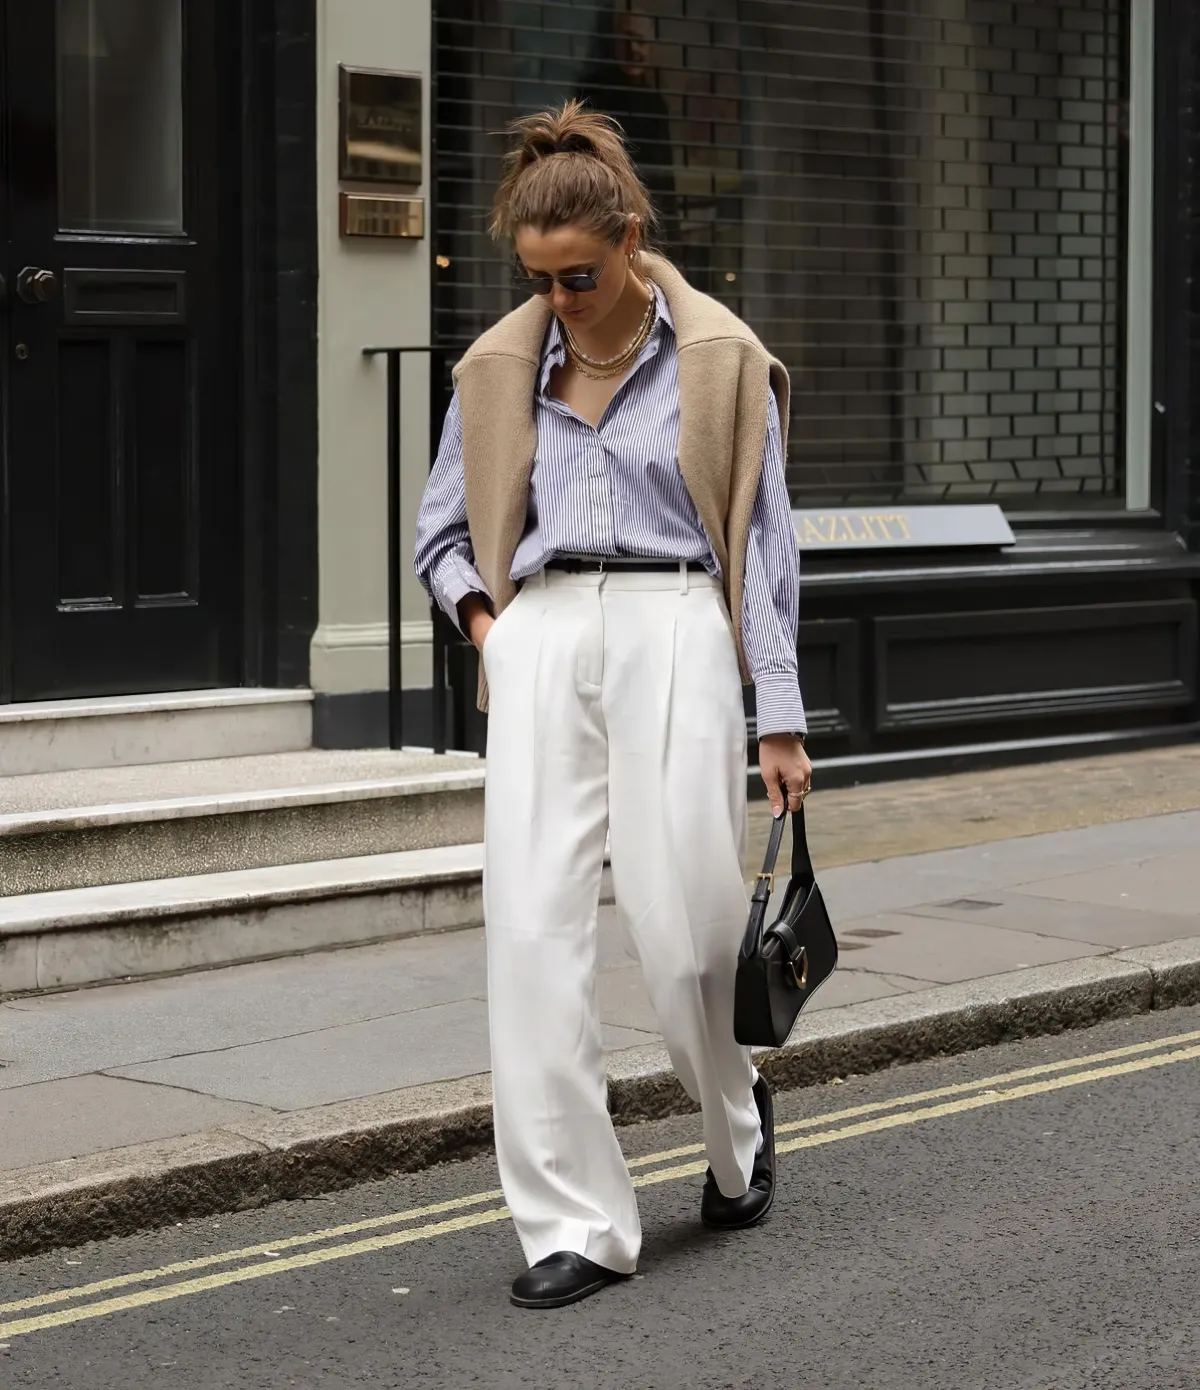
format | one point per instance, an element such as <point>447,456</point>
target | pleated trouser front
<point>616,712</point>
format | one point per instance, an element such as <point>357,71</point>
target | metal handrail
<point>397,560</point>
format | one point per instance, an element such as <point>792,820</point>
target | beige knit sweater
<point>724,376</point>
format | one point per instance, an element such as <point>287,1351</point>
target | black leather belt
<point>579,564</point>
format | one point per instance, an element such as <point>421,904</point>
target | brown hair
<point>570,165</point>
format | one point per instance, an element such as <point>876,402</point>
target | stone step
<point>90,936</point>
<point>61,831</point>
<point>87,936</point>
<point>119,731</point>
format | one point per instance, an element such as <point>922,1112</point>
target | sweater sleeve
<point>771,598</point>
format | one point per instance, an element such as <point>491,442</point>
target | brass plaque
<point>383,214</point>
<point>380,126</point>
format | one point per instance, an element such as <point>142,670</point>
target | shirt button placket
<point>604,529</point>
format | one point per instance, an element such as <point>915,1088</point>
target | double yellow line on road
<point>261,1261</point>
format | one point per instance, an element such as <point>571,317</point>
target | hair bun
<point>570,129</point>
<point>603,191</point>
<point>576,142</point>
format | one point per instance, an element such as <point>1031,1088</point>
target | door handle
<point>37,286</point>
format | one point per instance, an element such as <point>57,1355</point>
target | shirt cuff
<point>780,709</point>
<point>453,580</point>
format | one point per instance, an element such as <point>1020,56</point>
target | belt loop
<point>683,577</point>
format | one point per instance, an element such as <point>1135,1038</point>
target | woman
<point>608,522</point>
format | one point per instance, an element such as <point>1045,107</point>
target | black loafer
<point>561,1279</point>
<point>733,1213</point>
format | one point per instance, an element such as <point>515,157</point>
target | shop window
<point>918,204</point>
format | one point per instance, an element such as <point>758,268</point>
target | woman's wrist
<point>475,617</point>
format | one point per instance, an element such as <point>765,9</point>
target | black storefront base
<point>1071,643</point>
<point>364,719</point>
<point>977,757</point>
<point>1071,640</point>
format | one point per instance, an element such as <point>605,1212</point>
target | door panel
<point>123,515</point>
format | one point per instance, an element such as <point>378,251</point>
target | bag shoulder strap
<point>764,884</point>
<point>802,865</point>
<point>765,881</point>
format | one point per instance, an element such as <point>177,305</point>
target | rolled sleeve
<point>771,597</point>
<point>443,558</point>
<point>780,710</point>
<point>452,579</point>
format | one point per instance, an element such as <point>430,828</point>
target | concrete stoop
<point>126,825</point>
<point>121,932</point>
<point>88,936</point>
<point>48,736</point>
<point>156,835</point>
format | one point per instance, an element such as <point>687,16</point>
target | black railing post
<point>438,619</point>
<point>395,644</point>
<point>396,557</point>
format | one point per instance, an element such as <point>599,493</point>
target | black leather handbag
<point>780,968</point>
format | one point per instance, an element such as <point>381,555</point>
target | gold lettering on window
<point>855,528</point>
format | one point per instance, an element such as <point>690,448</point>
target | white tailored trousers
<point>616,709</point>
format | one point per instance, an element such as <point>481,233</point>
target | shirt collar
<point>554,349</point>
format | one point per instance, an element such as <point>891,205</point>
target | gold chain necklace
<point>620,356</point>
<point>612,366</point>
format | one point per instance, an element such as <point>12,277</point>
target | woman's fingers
<point>786,773</point>
<point>774,785</point>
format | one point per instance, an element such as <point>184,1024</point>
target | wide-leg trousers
<point>615,710</point>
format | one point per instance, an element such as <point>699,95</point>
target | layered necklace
<point>598,370</point>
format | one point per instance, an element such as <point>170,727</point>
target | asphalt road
<point>1034,1224</point>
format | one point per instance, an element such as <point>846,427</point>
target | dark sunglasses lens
<point>578,284</point>
<point>534,284</point>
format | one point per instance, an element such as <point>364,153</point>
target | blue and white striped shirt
<point>618,490</point>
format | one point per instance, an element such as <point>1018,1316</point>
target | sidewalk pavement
<point>133,1104</point>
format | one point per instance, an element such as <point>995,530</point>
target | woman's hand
<point>475,619</point>
<point>784,763</point>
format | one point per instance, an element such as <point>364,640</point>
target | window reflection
<point>918,209</point>
<point>120,116</point>
<point>622,78</point>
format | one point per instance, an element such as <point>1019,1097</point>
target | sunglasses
<point>573,284</point>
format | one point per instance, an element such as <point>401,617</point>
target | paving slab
<point>623,1001</point>
<point>890,885</point>
<point>1165,883</point>
<point>360,1059</point>
<point>948,950</point>
<point>88,1114</point>
<point>851,985</point>
<point>1117,927</point>
<point>98,1029</point>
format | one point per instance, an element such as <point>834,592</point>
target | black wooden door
<point>122,515</point>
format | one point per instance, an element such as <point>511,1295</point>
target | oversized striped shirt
<point>618,490</point>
